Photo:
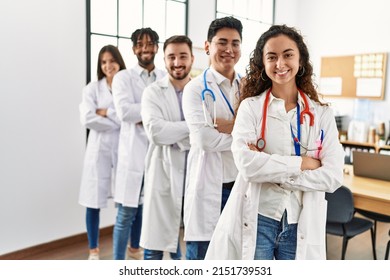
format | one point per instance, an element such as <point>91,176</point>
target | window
<point>256,16</point>
<point>113,22</point>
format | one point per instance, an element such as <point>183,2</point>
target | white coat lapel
<point>172,102</point>
<point>139,82</point>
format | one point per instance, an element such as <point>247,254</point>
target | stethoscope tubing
<point>208,91</point>
<point>260,144</point>
<point>205,110</point>
<point>306,147</point>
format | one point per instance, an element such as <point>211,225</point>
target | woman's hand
<point>253,147</point>
<point>309,163</point>
<point>101,112</point>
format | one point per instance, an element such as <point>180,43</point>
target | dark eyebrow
<point>226,40</point>
<point>270,53</point>
<point>181,53</point>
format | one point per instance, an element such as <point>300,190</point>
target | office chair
<point>376,217</point>
<point>341,220</point>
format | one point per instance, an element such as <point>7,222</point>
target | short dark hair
<point>139,33</point>
<point>178,39</point>
<point>219,23</point>
<point>115,54</point>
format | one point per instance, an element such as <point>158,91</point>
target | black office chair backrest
<point>340,206</point>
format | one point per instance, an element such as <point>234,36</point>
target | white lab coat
<point>203,195</point>
<point>127,88</point>
<point>164,166</point>
<point>235,234</point>
<point>101,153</point>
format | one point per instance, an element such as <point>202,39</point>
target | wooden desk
<point>368,194</point>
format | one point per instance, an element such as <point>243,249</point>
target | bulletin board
<point>354,76</point>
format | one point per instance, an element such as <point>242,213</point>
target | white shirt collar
<point>219,78</point>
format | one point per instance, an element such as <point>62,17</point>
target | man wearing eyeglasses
<point>211,170</point>
<point>127,88</point>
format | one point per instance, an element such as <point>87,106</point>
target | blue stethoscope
<point>208,91</point>
<point>297,142</point>
<point>260,145</point>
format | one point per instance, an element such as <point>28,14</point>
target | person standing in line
<point>97,113</point>
<point>127,88</point>
<point>287,151</point>
<point>211,170</point>
<point>168,134</point>
<point>133,248</point>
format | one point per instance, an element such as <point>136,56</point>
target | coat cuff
<point>294,165</point>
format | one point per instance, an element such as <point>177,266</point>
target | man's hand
<point>309,163</point>
<point>224,126</point>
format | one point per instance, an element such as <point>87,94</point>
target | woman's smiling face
<point>281,59</point>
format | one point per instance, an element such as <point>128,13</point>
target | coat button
<point>302,237</point>
<point>292,181</point>
<point>245,224</point>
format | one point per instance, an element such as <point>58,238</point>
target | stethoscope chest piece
<point>260,145</point>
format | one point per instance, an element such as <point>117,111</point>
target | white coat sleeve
<point>111,114</point>
<point>258,167</point>
<point>159,130</point>
<point>184,145</point>
<point>286,170</point>
<point>127,109</point>
<point>88,116</point>
<point>206,137</point>
<point>329,176</point>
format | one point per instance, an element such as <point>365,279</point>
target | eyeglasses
<point>141,45</point>
<point>224,45</point>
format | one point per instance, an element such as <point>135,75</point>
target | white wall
<point>200,15</point>
<point>43,57</point>
<point>342,27</point>
<point>43,54</point>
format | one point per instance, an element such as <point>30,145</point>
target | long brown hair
<point>256,80</point>
<point>115,54</point>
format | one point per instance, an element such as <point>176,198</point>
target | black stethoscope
<point>260,144</point>
<point>208,91</point>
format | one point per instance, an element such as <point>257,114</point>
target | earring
<point>261,76</point>
<point>207,52</point>
<point>303,72</point>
